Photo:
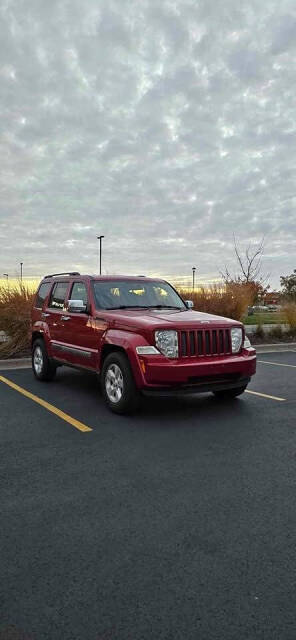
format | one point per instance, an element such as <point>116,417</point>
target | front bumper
<point>198,374</point>
<point>187,389</point>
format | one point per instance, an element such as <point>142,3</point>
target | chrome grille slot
<point>214,341</point>
<point>199,343</point>
<point>221,341</point>
<point>192,343</point>
<point>208,349</point>
<point>183,343</point>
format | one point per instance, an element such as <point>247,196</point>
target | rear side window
<point>42,294</point>
<point>58,295</point>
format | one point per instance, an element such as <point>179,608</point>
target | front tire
<point>229,394</point>
<point>118,386</point>
<point>43,367</point>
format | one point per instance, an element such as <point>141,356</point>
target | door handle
<point>66,318</point>
<point>45,315</point>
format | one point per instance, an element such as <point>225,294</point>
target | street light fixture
<point>100,239</point>
<point>193,277</point>
<point>21,263</point>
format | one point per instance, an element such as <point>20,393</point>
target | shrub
<point>277,332</point>
<point>15,312</point>
<point>230,300</point>
<point>259,332</point>
<point>290,314</point>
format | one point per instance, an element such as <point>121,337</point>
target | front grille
<point>204,342</point>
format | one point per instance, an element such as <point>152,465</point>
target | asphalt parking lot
<point>176,523</point>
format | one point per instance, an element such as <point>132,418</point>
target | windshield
<point>133,294</point>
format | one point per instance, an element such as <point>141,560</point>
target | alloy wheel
<point>38,360</point>
<point>114,383</point>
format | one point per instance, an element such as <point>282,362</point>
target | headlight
<point>167,342</point>
<point>236,339</point>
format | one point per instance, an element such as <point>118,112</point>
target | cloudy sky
<point>165,125</point>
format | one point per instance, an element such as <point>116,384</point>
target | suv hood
<point>157,318</point>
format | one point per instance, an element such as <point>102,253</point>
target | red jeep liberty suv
<point>139,335</point>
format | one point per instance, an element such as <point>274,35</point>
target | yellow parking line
<point>46,405</point>
<point>278,364</point>
<point>265,395</point>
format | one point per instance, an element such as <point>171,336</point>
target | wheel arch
<point>35,336</point>
<point>125,342</point>
<point>111,348</point>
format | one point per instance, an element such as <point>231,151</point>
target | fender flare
<point>128,342</point>
<point>41,329</point>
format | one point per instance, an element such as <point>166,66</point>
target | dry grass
<point>30,283</point>
<point>290,314</point>
<point>15,315</point>
<point>230,301</point>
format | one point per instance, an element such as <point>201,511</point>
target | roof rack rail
<point>64,273</point>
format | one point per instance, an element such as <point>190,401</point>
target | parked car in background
<point>273,307</point>
<point>139,335</point>
<point>269,308</point>
<point>259,308</point>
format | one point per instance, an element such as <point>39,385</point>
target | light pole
<point>100,239</point>
<point>6,276</point>
<point>193,277</point>
<point>21,263</point>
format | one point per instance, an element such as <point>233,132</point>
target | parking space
<point>174,523</point>
<point>276,375</point>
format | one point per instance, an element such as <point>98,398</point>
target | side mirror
<point>189,304</point>
<point>76,306</point>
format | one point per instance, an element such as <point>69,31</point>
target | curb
<point>251,328</point>
<point>15,363</point>
<point>279,346</point>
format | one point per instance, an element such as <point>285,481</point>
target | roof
<point>106,278</point>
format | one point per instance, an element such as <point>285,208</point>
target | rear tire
<point>228,394</point>
<point>43,367</point>
<point>118,385</point>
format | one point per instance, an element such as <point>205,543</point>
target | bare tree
<point>249,263</point>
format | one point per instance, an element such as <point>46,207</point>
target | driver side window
<point>79,292</point>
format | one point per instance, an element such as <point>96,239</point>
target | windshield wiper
<point>128,306</point>
<point>163,306</point>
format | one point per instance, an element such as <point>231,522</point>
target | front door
<point>79,331</point>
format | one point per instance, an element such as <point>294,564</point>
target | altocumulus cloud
<point>166,126</point>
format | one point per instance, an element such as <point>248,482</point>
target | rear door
<point>55,318</point>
